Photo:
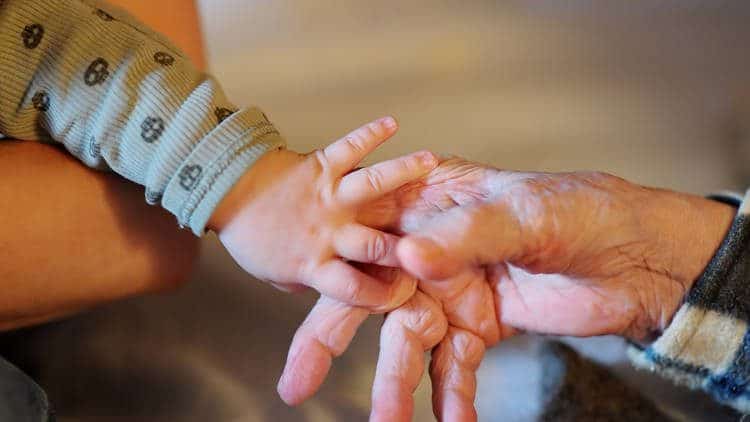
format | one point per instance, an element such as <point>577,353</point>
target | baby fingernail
<point>389,122</point>
<point>428,159</point>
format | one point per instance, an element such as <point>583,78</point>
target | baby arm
<point>118,96</point>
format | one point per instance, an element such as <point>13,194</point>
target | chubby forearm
<point>77,237</point>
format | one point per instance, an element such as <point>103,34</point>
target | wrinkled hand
<point>579,254</point>
<point>588,253</point>
<point>457,315</point>
<point>293,219</point>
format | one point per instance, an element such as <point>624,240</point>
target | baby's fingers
<point>346,153</point>
<point>356,242</point>
<point>325,334</point>
<point>453,373</point>
<point>372,182</point>
<point>341,281</point>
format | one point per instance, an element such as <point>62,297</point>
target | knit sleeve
<point>118,96</point>
<point>707,344</point>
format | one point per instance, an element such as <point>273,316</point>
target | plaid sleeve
<point>707,345</point>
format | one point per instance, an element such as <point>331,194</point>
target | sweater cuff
<point>215,165</point>
<point>707,344</point>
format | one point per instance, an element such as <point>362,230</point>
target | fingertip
<point>391,404</point>
<point>428,158</point>
<point>285,393</point>
<point>425,259</point>
<point>389,122</point>
<point>288,392</point>
<point>405,286</point>
<point>457,408</point>
<point>289,397</point>
<point>305,370</point>
<point>295,390</point>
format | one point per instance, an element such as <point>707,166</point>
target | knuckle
<point>355,143</point>
<point>601,179</point>
<point>467,348</point>
<point>322,157</point>
<point>374,130</point>
<point>377,248</point>
<point>425,320</point>
<point>374,179</point>
<point>410,164</point>
<point>329,340</point>
<point>353,291</point>
<point>335,348</point>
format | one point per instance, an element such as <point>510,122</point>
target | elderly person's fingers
<point>461,238</point>
<point>453,373</point>
<point>455,182</point>
<point>325,334</point>
<point>406,334</point>
<point>468,303</point>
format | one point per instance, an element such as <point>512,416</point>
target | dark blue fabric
<point>734,382</point>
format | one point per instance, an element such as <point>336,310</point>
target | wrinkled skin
<point>576,254</point>
<point>456,315</point>
<point>571,253</point>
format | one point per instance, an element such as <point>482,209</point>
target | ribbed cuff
<point>707,345</point>
<point>215,165</point>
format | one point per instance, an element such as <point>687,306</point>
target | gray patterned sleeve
<point>118,96</point>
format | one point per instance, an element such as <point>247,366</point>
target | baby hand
<point>293,219</point>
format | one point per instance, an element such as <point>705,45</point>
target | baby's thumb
<point>427,259</point>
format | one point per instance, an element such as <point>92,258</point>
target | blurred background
<point>656,92</point>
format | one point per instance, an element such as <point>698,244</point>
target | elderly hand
<point>588,253</point>
<point>579,254</point>
<point>457,315</point>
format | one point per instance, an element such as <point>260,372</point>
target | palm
<point>565,305</point>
